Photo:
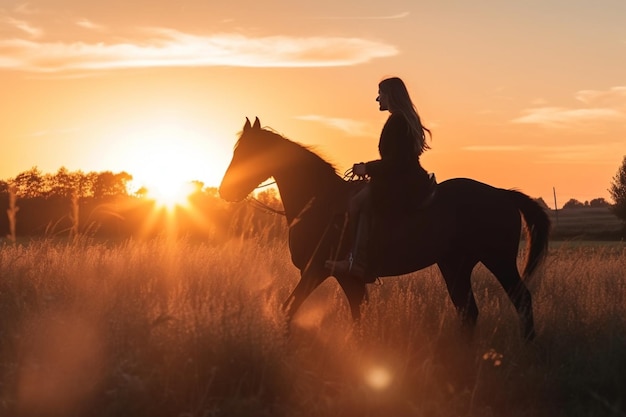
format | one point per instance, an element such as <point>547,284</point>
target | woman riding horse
<point>396,179</point>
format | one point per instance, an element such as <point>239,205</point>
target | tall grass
<point>174,328</point>
<point>12,214</point>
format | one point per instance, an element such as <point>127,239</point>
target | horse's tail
<point>538,231</point>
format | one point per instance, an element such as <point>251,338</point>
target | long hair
<point>400,102</point>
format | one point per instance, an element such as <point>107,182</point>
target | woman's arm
<point>397,149</point>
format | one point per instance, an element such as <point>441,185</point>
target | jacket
<point>397,178</point>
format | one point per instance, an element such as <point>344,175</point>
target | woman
<point>397,180</point>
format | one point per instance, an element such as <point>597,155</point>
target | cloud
<point>596,153</point>
<point>614,95</point>
<point>88,24</point>
<point>563,117</point>
<point>600,106</point>
<point>349,126</point>
<point>494,148</point>
<point>26,9</point>
<point>401,15</point>
<point>23,26</point>
<point>172,48</point>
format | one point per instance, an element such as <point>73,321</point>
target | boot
<point>356,264</point>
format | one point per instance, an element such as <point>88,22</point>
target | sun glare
<point>165,155</point>
<point>170,193</point>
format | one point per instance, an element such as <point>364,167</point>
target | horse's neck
<point>305,181</point>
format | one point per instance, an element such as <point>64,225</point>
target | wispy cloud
<point>560,154</point>
<point>581,154</point>
<point>401,15</point>
<point>25,8</point>
<point>600,106</point>
<point>22,26</point>
<point>88,24</point>
<point>171,48</point>
<point>612,96</point>
<point>348,126</point>
<point>494,148</point>
<point>563,117</point>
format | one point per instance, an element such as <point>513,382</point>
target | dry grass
<point>173,328</point>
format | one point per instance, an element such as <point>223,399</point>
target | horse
<point>464,223</point>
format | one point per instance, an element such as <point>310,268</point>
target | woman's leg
<point>360,205</point>
<point>359,218</point>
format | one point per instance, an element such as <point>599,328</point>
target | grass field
<point>587,223</point>
<point>171,328</point>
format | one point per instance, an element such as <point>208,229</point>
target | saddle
<point>387,229</point>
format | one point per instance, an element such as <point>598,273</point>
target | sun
<point>167,156</point>
<point>166,170</point>
<point>169,153</point>
<point>170,192</point>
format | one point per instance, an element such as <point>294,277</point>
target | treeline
<point>595,203</point>
<point>98,204</point>
<point>573,203</point>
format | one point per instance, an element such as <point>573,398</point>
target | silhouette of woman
<point>396,179</point>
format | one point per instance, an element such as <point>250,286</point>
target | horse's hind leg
<point>457,275</point>
<point>505,270</point>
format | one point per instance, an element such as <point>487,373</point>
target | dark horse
<point>465,223</point>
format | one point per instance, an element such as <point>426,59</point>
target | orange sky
<point>528,95</point>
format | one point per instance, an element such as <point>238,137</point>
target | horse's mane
<point>307,153</point>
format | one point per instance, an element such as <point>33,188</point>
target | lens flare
<point>378,378</point>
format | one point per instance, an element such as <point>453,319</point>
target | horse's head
<point>252,163</point>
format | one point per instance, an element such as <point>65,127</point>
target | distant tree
<point>142,192</point>
<point>84,184</point>
<point>29,184</point>
<point>108,184</point>
<point>599,202</point>
<point>270,198</point>
<point>212,192</point>
<point>573,203</point>
<point>618,191</point>
<point>64,183</point>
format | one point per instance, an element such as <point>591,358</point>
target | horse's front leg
<point>309,281</point>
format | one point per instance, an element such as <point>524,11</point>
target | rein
<point>262,206</point>
<point>348,175</point>
<point>265,185</point>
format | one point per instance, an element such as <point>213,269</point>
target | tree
<point>573,203</point>
<point>29,184</point>
<point>64,183</point>
<point>618,191</point>
<point>108,184</point>
<point>599,202</point>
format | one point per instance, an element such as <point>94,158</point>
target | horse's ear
<point>247,125</point>
<point>257,123</point>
